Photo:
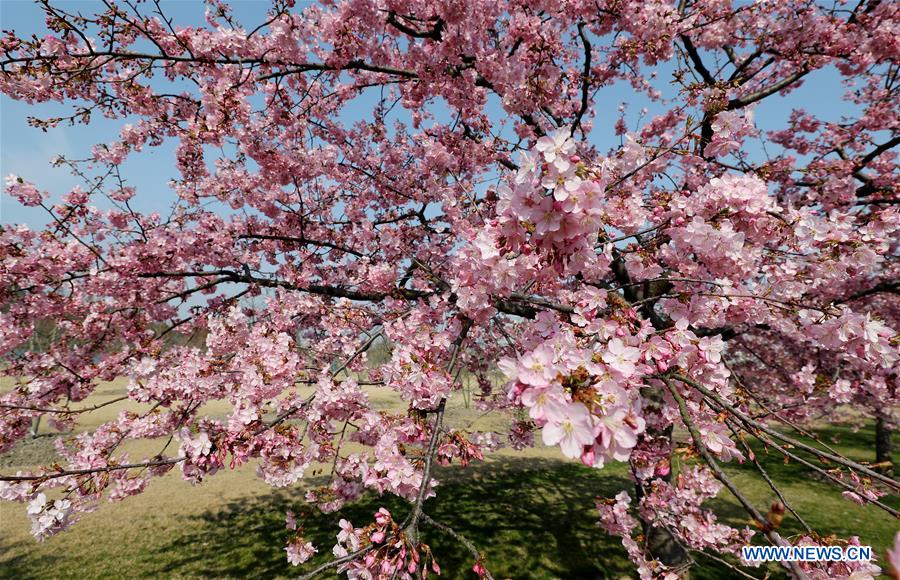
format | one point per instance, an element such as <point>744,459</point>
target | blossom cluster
<point>581,397</point>
<point>384,550</point>
<point>298,549</point>
<point>555,197</point>
<point>49,516</point>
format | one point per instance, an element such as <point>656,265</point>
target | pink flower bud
<point>662,469</point>
<point>382,516</point>
<point>587,456</point>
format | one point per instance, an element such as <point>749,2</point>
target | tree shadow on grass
<point>22,565</point>
<point>817,499</point>
<point>532,518</point>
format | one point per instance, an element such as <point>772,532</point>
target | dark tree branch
<point>585,79</point>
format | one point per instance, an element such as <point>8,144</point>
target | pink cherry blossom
<point>893,556</point>
<point>544,402</point>
<point>299,552</point>
<point>621,358</point>
<point>571,430</point>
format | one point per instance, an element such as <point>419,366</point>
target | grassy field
<point>532,513</point>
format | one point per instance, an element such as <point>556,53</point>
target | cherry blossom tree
<point>695,281</point>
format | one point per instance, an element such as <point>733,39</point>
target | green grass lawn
<point>531,513</point>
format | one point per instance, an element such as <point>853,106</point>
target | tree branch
<point>773,536</point>
<point>798,444</point>
<point>106,469</point>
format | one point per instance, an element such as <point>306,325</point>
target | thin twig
<point>106,469</point>
<point>479,557</point>
<point>892,483</point>
<point>720,475</point>
<point>63,411</point>
<point>765,476</point>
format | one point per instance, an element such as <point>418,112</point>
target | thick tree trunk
<point>665,548</point>
<point>661,544</point>
<point>883,447</point>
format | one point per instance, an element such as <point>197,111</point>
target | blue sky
<point>27,151</point>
